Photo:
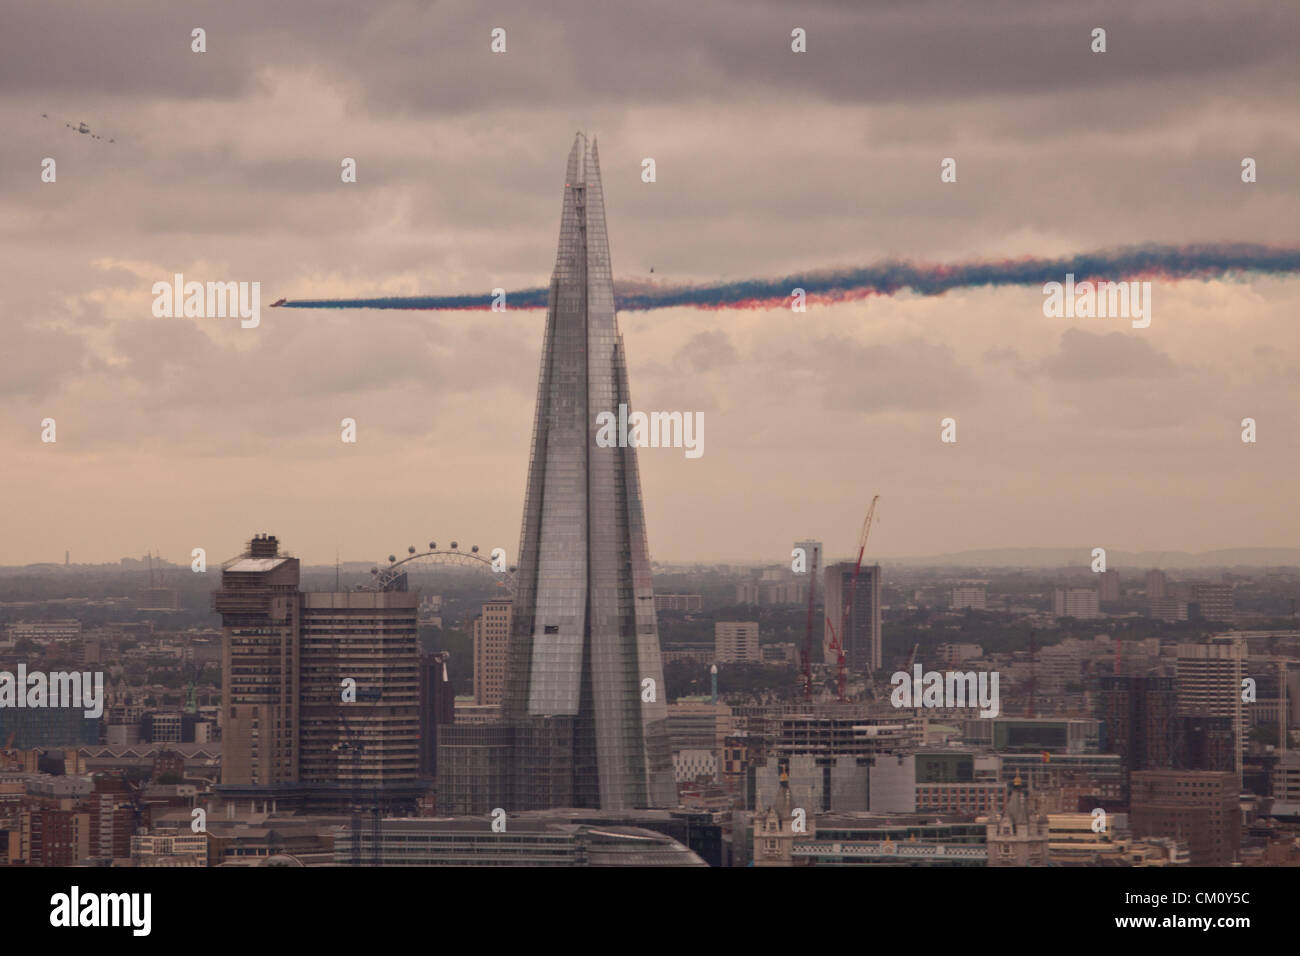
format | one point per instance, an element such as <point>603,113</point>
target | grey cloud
<point>1095,356</point>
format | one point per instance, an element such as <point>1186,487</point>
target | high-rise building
<point>968,597</point>
<point>1195,807</point>
<point>258,604</point>
<point>437,707</point>
<point>1157,584</point>
<point>320,690</point>
<point>736,642</point>
<point>809,547</point>
<point>860,636</point>
<point>584,680</point>
<point>1139,718</point>
<point>371,737</point>
<point>1168,609</point>
<point>1108,585</point>
<point>1214,602</point>
<point>1080,603</point>
<point>491,637</point>
<point>1209,675</point>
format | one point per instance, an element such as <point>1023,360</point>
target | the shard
<point>584,680</point>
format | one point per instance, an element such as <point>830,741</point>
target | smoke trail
<point>840,285</point>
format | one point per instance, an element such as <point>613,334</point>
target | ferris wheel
<point>388,578</point>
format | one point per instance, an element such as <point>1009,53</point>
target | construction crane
<point>837,648</point>
<point>837,640</point>
<point>807,638</point>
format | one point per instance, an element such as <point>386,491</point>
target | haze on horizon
<point>182,433</point>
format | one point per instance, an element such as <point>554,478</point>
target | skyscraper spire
<point>583,664</point>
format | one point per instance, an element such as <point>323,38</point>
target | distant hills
<point>1119,560</point>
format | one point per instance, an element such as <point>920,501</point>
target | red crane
<point>807,639</point>
<point>837,640</point>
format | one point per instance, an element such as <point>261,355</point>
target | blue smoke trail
<point>1148,261</point>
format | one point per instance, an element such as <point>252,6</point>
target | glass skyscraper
<point>584,681</point>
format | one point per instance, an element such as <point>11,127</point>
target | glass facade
<point>584,640</point>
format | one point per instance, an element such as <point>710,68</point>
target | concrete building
<point>968,597</point>
<point>1169,609</point>
<point>1209,675</point>
<point>491,638</point>
<point>1286,786</point>
<point>525,841</point>
<point>810,547</point>
<point>1214,601</point>
<point>320,690</point>
<point>1156,585</point>
<point>959,782</point>
<point>825,735</point>
<point>698,723</point>
<point>169,846</point>
<point>258,604</point>
<point>679,602</point>
<point>372,638</point>
<point>1108,588</point>
<point>67,629</point>
<point>1079,603</point>
<point>1198,808</point>
<point>736,642</point>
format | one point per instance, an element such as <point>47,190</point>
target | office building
<point>809,547</point>
<point>1212,602</point>
<point>320,690</point>
<point>371,737</point>
<point>1156,585</point>
<point>1139,720</point>
<point>736,642</point>
<point>858,627</point>
<point>1199,808</point>
<point>258,604</point>
<point>437,708</point>
<point>1169,609</point>
<point>1108,588</point>
<point>491,637</point>
<point>1080,603</point>
<point>1209,675</point>
<point>584,707</point>
<point>968,597</point>
<point>679,602</point>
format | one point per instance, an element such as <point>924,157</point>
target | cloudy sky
<point>177,433</point>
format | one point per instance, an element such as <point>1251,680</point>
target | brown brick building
<point>1199,808</point>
